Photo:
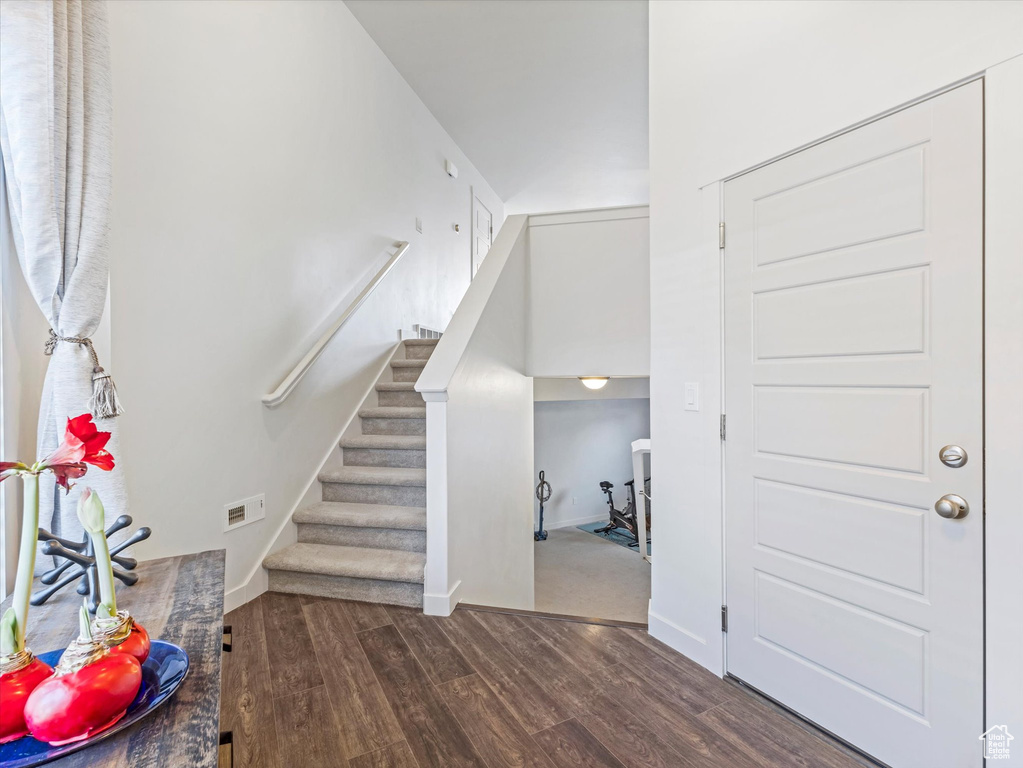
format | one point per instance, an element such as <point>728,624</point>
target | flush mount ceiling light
<point>594,382</point>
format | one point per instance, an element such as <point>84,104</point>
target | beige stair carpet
<point>366,540</point>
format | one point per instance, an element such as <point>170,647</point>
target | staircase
<point>366,540</point>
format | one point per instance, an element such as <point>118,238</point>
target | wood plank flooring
<point>325,683</point>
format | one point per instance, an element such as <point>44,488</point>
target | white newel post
<point>439,597</point>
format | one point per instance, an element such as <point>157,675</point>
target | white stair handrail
<point>278,396</point>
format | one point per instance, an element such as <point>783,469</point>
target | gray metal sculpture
<point>82,555</point>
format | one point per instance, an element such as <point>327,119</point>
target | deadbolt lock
<point>952,506</point>
<point>953,456</point>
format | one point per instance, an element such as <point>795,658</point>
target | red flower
<point>93,441</point>
<point>83,444</point>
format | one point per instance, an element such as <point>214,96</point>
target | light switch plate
<point>692,396</point>
<point>419,225</point>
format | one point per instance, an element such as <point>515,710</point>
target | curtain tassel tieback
<point>104,403</point>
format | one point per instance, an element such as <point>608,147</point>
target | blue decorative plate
<point>162,674</point>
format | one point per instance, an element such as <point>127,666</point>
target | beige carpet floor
<point>579,574</point>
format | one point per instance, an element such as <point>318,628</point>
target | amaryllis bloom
<point>83,444</point>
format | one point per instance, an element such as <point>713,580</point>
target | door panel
<point>840,327</point>
<point>877,541</point>
<point>853,353</point>
<point>876,199</point>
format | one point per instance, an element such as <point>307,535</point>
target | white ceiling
<point>548,98</point>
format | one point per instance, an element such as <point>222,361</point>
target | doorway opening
<point>590,564</point>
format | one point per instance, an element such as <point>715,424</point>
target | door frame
<point>472,230</point>
<point>1003,370</point>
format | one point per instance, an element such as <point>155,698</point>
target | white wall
<point>479,431</point>
<point>579,443</point>
<point>734,84</point>
<point>267,156</point>
<point>589,278</point>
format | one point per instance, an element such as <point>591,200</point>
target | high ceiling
<point>548,98</point>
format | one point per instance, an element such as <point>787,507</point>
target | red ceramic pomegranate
<point>84,697</point>
<point>14,690</point>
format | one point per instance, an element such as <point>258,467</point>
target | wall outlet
<point>244,512</point>
<point>574,500</point>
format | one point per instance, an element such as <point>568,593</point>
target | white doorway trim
<point>1003,371</point>
<point>1003,375</point>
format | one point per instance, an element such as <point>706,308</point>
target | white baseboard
<point>442,605</point>
<point>689,645</point>
<point>250,590</point>
<point>571,523</point>
<point>287,533</point>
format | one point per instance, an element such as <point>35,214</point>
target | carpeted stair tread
<point>386,442</point>
<point>421,342</point>
<point>396,386</point>
<point>362,516</point>
<point>393,412</point>
<point>353,562</point>
<point>409,363</point>
<point>374,476</point>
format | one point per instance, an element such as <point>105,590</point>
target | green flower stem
<point>105,571</point>
<point>26,558</point>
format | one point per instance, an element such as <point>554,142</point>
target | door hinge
<point>724,426</point>
<point>724,618</point>
<point>721,235</point>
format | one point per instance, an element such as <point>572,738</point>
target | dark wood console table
<point>177,599</point>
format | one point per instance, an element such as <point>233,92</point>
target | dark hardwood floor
<point>337,684</point>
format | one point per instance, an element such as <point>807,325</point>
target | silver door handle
<point>952,507</point>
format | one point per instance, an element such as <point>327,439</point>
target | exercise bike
<point>623,520</point>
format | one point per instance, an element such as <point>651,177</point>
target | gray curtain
<point>55,134</point>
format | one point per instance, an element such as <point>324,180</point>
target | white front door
<point>853,354</point>
<point>482,231</point>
